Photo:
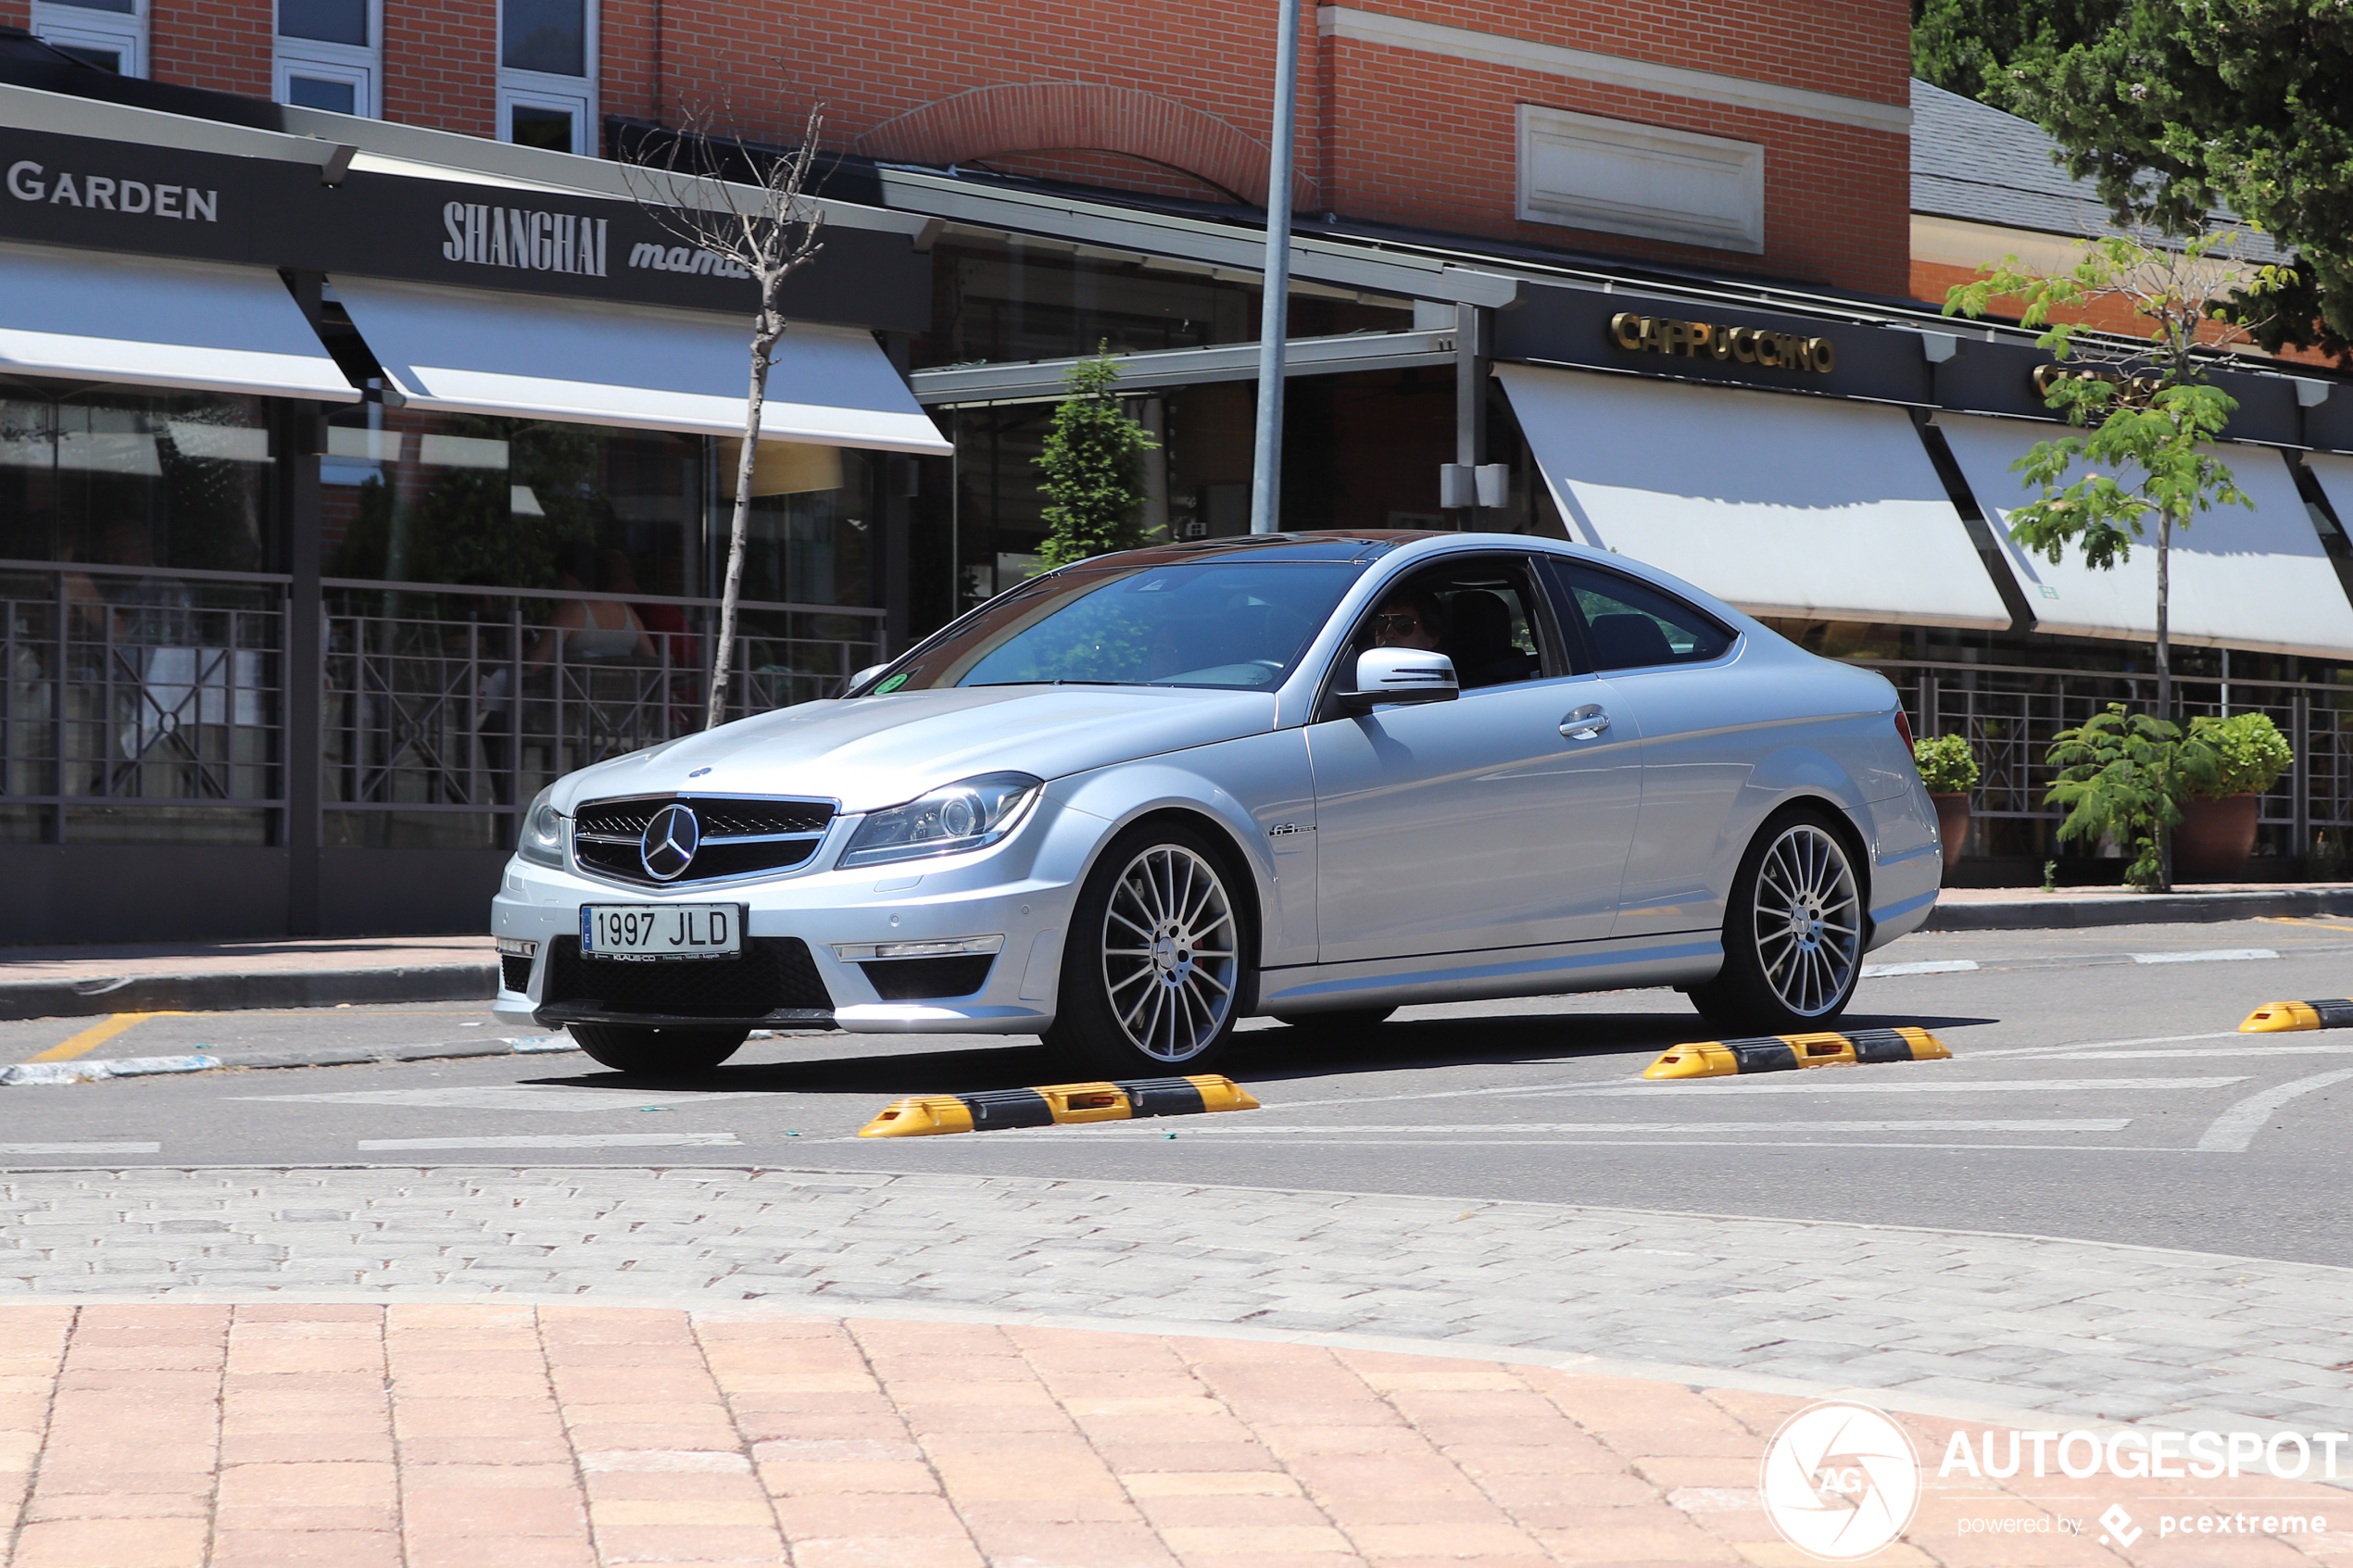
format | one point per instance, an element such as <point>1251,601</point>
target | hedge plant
<point>1945,764</point>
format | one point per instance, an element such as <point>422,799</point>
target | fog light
<point>518,946</point>
<point>953,948</point>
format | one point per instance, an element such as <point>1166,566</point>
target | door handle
<point>1585,723</point>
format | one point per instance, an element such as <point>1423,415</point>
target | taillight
<point>1904,730</point>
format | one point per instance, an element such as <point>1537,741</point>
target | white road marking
<point>2101,1045</point>
<point>2344,1049</point>
<point>1926,966</point>
<point>2234,1130</point>
<point>1253,1128</point>
<point>1870,1081</point>
<point>2218,954</point>
<point>561,1140</point>
<point>1907,1144</point>
<point>1901,1079</point>
<point>519,1097</point>
<point>81,1149</point>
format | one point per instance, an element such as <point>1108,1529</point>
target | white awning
<point>1798,506</point>
<point>637,366</point>
<point>154,322</point>
<point>2240,579</point>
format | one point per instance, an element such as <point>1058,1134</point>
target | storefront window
<point>408,495</point>
<point>1000,299</point>
<point>118,476</point>
<point>807,539</point>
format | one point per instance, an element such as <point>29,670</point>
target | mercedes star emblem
<point>670,843</point>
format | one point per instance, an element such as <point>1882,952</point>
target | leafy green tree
<point>2146,409</point>
<point>2177,109</point>
<point>1093,464</point>
<point>1972,46</point>
<point>2124,776</point>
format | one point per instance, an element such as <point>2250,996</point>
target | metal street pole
<point>1266,466</point>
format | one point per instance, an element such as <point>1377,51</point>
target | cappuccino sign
<point>1708,340</point>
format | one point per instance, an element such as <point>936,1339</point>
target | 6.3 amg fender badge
<point>669,845</point>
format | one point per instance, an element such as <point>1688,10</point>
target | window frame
<point>361,65</point>
<point>1563,657</point>
<point>79,27</point>
<point>545,90</point>
<point>1570,613</point>
<point>579,104</point>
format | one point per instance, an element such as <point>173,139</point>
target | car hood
<point>876,751</point>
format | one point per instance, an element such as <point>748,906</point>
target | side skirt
<point>1683,958</point>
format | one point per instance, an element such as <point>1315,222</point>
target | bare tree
<point>764,223</point>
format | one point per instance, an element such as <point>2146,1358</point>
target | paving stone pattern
<point>1993,1323</point>
<point>416,1435</point>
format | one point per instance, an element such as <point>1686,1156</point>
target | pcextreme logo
<point>1840,1481</point>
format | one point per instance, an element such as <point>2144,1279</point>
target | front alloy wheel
<point>1153,964</point>
<point>1792,937</point>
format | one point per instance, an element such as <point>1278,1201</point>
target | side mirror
<point>1396,675</point>
<point>864,675</point>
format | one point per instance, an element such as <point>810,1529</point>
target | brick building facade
<point>1781,125</point>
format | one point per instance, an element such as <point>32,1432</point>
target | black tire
<point>1156,960</point>
<point>1336,1027</point>
<point>1794,931</point>
<point>656,1053</point>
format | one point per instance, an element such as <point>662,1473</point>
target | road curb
<point>222,992</point>
<point>44,1075</point>
<point>2142,908</point>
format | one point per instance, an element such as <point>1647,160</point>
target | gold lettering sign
<point>1708,340</point>
<point>2134,391</point>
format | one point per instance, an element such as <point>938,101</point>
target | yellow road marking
<point>2315,922</point>
<point>97,1034</point>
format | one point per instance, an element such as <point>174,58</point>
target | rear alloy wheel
<point>1152,965</point>
<point>656,1053</point>
<point>1793,936</point>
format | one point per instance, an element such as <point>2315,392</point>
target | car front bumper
<point>1019,892</point>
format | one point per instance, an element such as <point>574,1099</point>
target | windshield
<point>1238,625</point>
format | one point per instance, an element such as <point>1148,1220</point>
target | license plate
<point>661,931</point>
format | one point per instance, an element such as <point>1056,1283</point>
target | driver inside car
<point>1410,618</point>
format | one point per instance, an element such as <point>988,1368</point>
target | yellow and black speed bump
<point>924,1115</point>
<point>1786,1053</point>
<point>2282,1018</point>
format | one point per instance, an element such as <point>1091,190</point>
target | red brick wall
<point>1403,148</point>
<point>441,64</point>
<point>1398,135</point>
<point>223,44</point>
<point>16,13</point>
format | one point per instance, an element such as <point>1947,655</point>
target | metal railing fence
<point>139,690</point>
<point>2011,713</point>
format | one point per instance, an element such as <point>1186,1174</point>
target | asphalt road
<point>2094,1094</point>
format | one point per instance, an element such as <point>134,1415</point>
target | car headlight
<point>541,841</point>
<point>969,814</point>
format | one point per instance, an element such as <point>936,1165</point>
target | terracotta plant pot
<point>2215,838</point>
<point>1952,825</point>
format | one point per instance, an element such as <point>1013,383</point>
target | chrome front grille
<point>738,835</point>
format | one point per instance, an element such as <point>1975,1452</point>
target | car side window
<point>1483,612</point>
<point>1630,625</point>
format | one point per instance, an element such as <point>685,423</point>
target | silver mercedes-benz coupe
<point>1318,776</point>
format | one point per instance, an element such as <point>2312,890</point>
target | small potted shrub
<point>2217,833</point>
<point>1950,773</point>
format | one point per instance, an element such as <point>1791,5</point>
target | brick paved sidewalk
<point>514,1437</point>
